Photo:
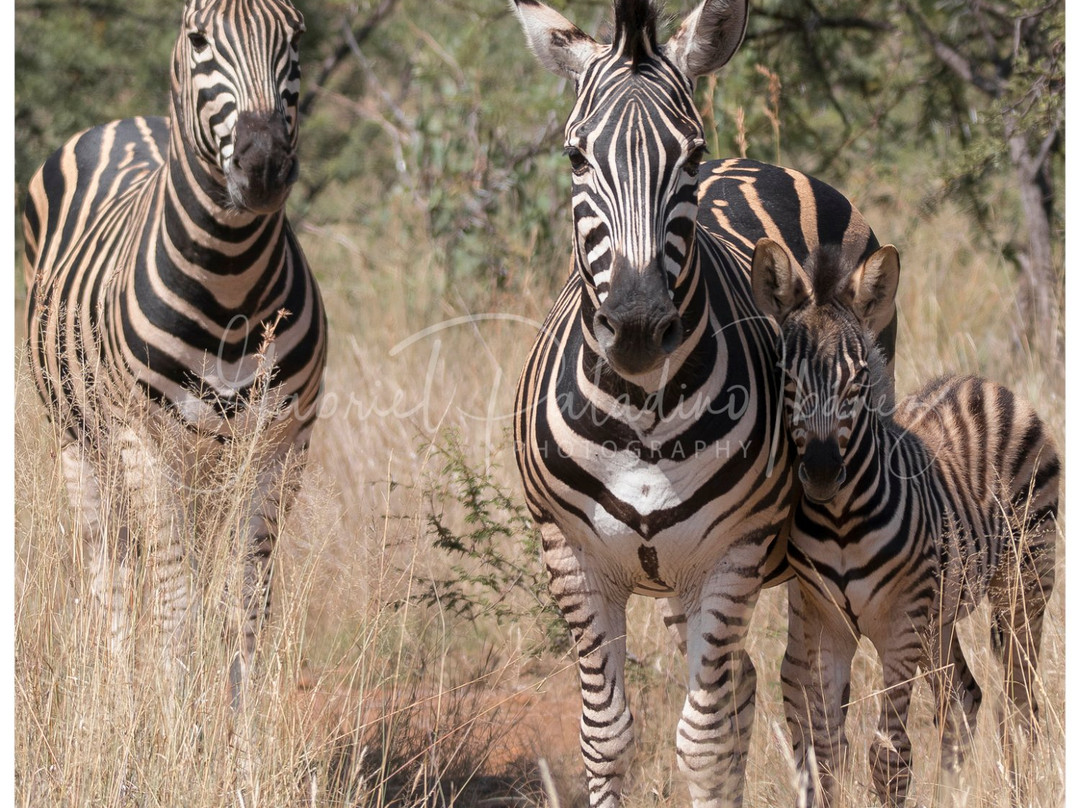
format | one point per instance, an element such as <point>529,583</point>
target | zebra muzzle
<point>264,165</point>
<point>637,326</point>
<point>821,470</point>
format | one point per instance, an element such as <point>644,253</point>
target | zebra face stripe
<point>238,60</point>
<point>826,386</point>
<point>634,140</point>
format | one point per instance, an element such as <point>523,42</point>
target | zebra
<point>647,413</point>
<point>169,303</point>
<point>910,515</point>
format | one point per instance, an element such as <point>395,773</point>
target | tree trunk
<point>1037,292</point>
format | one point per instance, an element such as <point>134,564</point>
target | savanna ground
<point>397,672</point>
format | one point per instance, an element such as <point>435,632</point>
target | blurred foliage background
<point>431,120</point>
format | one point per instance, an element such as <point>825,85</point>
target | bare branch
<point>797,24</point>
<point>1047,145</point>
<point>950,57</point>
<point>350,38</point>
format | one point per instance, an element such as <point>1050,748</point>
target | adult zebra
<point>168,295</point>
<point>911,514</point>
<point>647,411</point>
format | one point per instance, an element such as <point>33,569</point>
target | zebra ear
<point>561,46</point>
<point>871,290</point>
<point>779,287</point>
<point>708,37</point>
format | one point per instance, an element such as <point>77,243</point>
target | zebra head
<point>634,140</point>
<point>235,86</point>
<point>831,365</point>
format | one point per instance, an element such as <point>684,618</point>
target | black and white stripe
<point>157,253</point>
<point>910,516</point>
<point>648,410</point>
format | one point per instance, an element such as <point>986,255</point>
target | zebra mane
<point>635,29</point>
<point>827,272</point>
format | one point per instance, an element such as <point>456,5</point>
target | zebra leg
<point>829,644</point>
<point>1016,632</point>
<point>717,719</point>
<point>890,750</point>
<point>958,697</point>
<point>248,595</point>
<point>151,489</point>
<point>248,605</point>
<point>108,559</point>
<point>795,681</point>
<point>1017,607</point>
<point>596,615</point>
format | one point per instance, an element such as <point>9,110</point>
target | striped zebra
<point>910,515</point>
<point>158,262</point>
<point>648,411</point>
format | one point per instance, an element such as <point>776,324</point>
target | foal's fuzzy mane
<point>828,275</point>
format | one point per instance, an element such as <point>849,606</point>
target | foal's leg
<point>830,645</point>
<point>890,750</point>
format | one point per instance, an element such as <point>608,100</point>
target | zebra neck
<point>226,252</point>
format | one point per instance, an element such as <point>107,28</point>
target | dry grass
<point>363,698</point>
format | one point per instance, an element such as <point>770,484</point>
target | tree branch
<point>790,24</point>
<point>350,38</point>
<point>1045,147</point>
<point>950,57</point>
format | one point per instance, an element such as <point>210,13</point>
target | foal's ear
<point>871,289</point>
<point>708,37</point>
<point>561,46</point>
<point>779,286</point>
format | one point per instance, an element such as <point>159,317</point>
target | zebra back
<point>999,469</point>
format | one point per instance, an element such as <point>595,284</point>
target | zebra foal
<point>910,515</point>
<point>167,293</point>
<point>646,414</point>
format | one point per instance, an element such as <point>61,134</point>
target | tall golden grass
<point>361,697</point>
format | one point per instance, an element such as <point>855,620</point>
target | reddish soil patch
<point>511,724</point>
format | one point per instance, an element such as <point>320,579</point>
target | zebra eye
<point>579,163</point>
<point>294,40</point>
<point>198,41</point>
<point>693,159</point>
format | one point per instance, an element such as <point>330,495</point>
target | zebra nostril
<point>669,334</point>
<point>604,328</point>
